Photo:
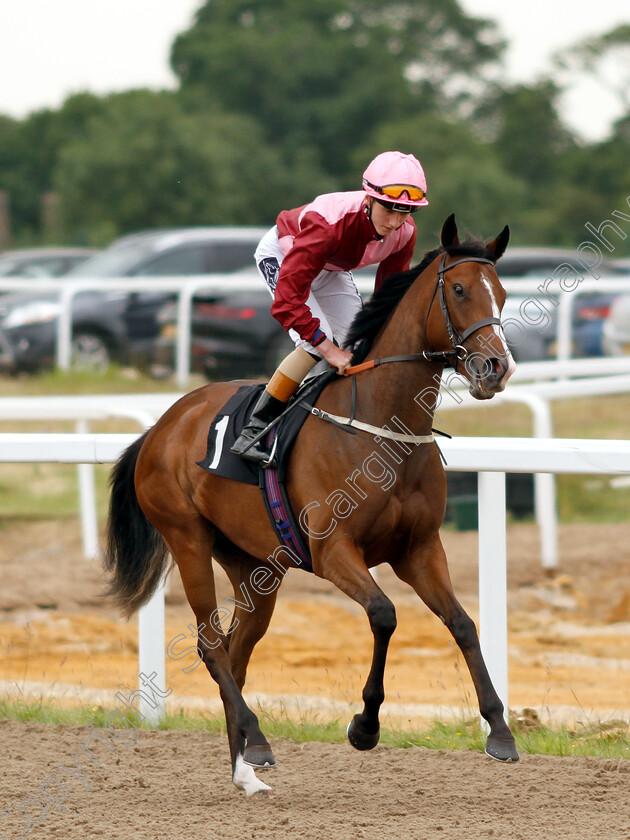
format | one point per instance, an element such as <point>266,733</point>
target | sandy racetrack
<point>174,785</point>
<point>569,657</point>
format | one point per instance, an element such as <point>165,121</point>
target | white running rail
<point>490,457</point>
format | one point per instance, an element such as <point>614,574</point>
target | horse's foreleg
<point>427,573</point>
<point>364,729</point>
<point>344,566</point>
<point>248,746</point>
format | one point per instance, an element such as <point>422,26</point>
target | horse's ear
<point>449,235</point>
<point>498,245</point>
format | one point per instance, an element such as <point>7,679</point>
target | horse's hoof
<point>259,756</point>
<point>502,749</point>
<point>359,738</point>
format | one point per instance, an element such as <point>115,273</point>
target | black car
<point>233,334</point>
<point>111,325</point>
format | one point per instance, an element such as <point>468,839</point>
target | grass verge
<point>608,740</point>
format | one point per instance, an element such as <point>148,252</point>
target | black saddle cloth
<point>233,416</point>
<point>224,430</point>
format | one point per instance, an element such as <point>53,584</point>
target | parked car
<point>115,325</point>
<point>617,328</point>
<point>41,262</point>
<point>233,334</point>
<point>535,337</point>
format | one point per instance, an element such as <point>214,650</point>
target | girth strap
<point>352,426</point>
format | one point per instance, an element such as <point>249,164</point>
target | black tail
<point>135,554</point>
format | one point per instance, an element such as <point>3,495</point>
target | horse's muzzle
<point>488,376</point>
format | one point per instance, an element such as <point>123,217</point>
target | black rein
<point>448,357</point>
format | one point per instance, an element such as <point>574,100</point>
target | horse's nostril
<point>492,369</point>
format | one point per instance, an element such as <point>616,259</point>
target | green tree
<point>529,135</point>
<point>29,151</point>
<point>146,161</point>
<point>12,164</point>
<point>598,173</point>
<point>599,177</point>
<point>320,73</point>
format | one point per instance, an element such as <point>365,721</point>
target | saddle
<point>227,426</point>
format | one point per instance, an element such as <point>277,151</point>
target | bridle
<point>457,339</point>
<point>447,357</point>
<point>458,353</point>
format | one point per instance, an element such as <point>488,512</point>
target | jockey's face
<point>384,219</point>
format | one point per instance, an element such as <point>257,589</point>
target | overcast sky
<point>52,48</point>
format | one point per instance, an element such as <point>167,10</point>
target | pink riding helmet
<point>392,169</point>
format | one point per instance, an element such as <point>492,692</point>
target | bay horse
<point>444,311</point>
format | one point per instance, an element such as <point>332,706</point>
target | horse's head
<point>463,324</point>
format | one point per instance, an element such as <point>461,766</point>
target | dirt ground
<point>569,647</point>
<point>174,785</point>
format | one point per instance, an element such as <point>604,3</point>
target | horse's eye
<point>458,289</point>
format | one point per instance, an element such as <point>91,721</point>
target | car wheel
<point>90,351</point>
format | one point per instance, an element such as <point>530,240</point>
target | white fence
<point>589,377</point>
<point>490,457</point>
<point>186,288</point>
<point>141,409</point>
<point>592,378</point>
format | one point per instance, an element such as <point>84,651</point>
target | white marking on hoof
<point>245,779</point>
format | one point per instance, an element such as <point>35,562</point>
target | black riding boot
<point>266,409</point>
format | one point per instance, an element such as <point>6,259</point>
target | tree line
<point>279,100</point>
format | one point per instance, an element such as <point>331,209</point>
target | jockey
<point>306,260</point>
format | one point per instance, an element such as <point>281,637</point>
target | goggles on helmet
<point>398,190</point>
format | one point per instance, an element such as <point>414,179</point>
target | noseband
<point>448,357</point>
<point>457,339</point>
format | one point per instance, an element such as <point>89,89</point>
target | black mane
<point>369,321</point>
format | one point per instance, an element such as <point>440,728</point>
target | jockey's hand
<point>335,356</point>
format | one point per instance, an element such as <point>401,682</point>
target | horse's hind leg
<point>191,547</point>
<point>427,572</point>
<point>255,585</point>
<point>255,588</point>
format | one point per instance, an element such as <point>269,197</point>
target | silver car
<point>533,326</point>
<point>617,328</point>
